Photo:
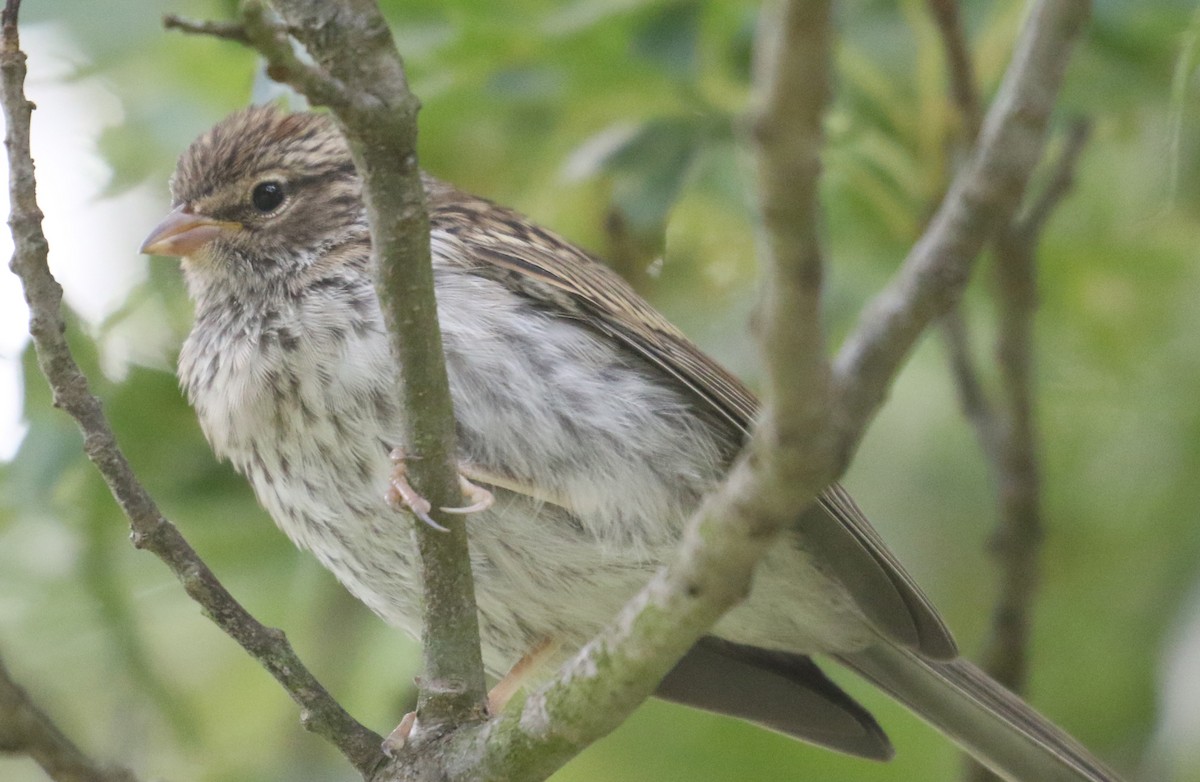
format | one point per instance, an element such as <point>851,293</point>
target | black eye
<point>267,196</point>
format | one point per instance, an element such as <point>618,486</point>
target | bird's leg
<point>481,474</point>
<point>401,493</point>
<point>396,740</point>
<point>502,692</point>
<point>498,696</point>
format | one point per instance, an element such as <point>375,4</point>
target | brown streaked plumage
<point>598,425</point>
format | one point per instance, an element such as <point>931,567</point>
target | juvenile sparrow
<point>594,423</point>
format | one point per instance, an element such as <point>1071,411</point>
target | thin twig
<point>1033,218</point>
<point>1019,531</point>
<point>959,67</point>
<point>26,730</point>
<point>71,393</point>
<point>1005,431</point>
<point>983,197</point>
<point>1016,543</point>
<point>275,43</point>
<point>229,31</point>
<point>972,396</point>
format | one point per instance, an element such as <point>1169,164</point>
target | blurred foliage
<point>617,122</point>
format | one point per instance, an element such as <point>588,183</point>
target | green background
<point>616,123</point>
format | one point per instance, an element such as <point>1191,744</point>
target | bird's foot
<point>401,493</point>
<point>498,696</point>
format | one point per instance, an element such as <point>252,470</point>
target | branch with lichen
<point>150,530</point>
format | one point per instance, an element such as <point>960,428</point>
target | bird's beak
<point>183,233</point>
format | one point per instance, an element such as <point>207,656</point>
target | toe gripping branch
<point>401,494</point>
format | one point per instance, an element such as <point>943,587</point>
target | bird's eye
<point>267,196</point>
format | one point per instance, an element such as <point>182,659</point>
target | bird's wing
<point>506,246</point>
<point>784,692</point>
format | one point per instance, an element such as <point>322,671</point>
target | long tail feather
<point>993,725</point>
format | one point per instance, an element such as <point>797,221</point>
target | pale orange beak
<point>183,233</point>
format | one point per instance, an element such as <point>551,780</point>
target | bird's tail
<point>996,727</point>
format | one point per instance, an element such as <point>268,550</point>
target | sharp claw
<point>481,499</point>
<point>425,517</point>
<point>401,493</point>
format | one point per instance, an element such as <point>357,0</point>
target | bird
<point>588,427</point>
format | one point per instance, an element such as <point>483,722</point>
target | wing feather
<point>503,244</point>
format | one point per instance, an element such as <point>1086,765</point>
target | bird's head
<point>260,197</point>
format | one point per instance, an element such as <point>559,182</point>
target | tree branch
<point>960,71</point>
<point>27,730</point>
<point>360,76</point>
<point>1019,531</point>
<point>959,67</point>
<point>973,398</point>
<point>71,393</point>
<point>983,197</point>
<point>791,90</point>
<point>229,31</point>
<point>1006,432</point>
<point>788,462</point>
<point>1016,542</point>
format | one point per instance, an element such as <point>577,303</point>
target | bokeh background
<point>616,123</point>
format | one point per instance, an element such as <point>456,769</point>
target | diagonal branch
<point>983,197</point>
<point>1006,430</point>
<point>973,398</point>
<point>71,393</point>
<point>25,729</point>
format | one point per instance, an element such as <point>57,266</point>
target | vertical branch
<point>1016,542</point>
<point>959,67</point>
<point>973,398</point>
<point>360,76</point>
<point>960,72</point>
<point>1019,531</point>
<point>792,85</point>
